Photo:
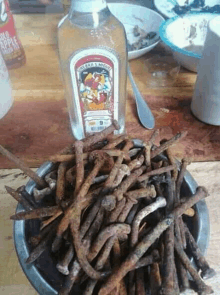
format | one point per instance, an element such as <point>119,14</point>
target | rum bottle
<point>93,59</point>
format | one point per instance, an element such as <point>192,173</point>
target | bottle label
<point>10,45</point>
<point>94,74</point>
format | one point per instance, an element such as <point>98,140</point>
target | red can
<point>10,46</point>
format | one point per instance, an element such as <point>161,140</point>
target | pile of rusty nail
<point>117,208</point>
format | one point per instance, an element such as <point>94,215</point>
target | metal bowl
<point>43,274</point>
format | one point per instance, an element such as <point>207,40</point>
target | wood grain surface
<point>38,124</point>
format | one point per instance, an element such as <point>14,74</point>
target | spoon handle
<point>144,113</point>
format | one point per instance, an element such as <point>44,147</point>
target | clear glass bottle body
<point>6,99</point>
<point>96,31</point>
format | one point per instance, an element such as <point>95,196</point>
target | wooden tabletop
<point>37,125</point>
<point>40,108</point>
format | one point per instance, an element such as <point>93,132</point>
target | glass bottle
<point>6,99</point>
<point>93,59</point>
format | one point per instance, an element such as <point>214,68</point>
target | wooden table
<point>40,109</point>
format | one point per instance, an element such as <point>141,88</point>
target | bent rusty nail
<point>140,284</point>
<point>201,286</point>
<point>182,231</point>
<point>122,172</point>
<point>18,197</point>
<point>206,271</point>
<point>109,202</point>
<point>183,275</point>
<point>73,215</point>
<point>76,207</point>
<point>79,166</point>
<point>115,229</point>
<point>147,260</point>
<point>185,163</point>
<point>148,192</point>
<point>167,144</point>
<point>115,141</point>
<point>63,264</point>
<point>99,136</point>
<point>61,182</point>
<point>147,154</point>
<point>125,184</point>
<point>172,161</point>
<point>57,242</point>
<point>41,247</point>
<point>89,219</point>
<point>159,203</point>
<point>109,181</point>
<point>136,163</point>
<point>131,214</point>
<point>22,166</point>
<point>148,240</point>
<point>51,181</point>
<point>70,279</point>
<point>156,172</point>
<point>155,278</point>
<point>36,213</point>
<point>167,286</point>
<point>100,264</point>
<point>153,137</point>
<point>15,194</point>
<point>40,194</point>
<point>100,179</point>
<point>190,212</point>
<point>93,230</point>
<point>117,211</point>
<point>117,252</point>
<point>104,235</point>
<point>114,171</point>
<point>134,152</point>
<point>35,240</point>
<point>48,221</point>
<point>127,207</point>
<point>68,158</point>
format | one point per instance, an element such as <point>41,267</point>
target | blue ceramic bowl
<point>171,8</point>
<point>185,37</point>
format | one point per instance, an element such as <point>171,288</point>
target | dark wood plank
<point>36,129</point>
<point>172,114</point>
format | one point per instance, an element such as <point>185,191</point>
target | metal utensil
<point>144,113</point>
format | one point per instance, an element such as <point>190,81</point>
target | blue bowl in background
<point>185,37</point>
<point>171,8</point>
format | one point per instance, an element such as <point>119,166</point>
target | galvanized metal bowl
<point>43,274</point>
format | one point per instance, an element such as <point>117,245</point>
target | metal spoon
<point>144,113</point>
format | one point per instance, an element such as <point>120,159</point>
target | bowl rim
<point>33,274</point>
<point>165,39</point>
<point>171,13</point>
<point>141,51</point>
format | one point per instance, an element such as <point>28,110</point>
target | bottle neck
<point>87,5</point>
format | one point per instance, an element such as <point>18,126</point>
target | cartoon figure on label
<point>95,89</point>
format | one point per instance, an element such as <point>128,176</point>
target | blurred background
<point>38,6</point>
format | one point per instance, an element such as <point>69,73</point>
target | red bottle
<point>10,46</point>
